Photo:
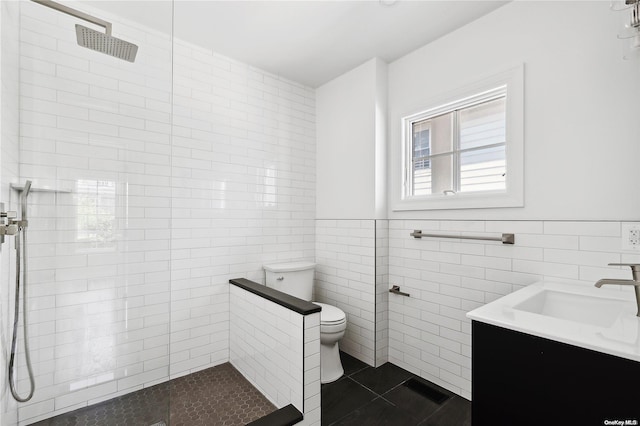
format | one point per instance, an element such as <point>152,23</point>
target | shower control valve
<point>12,227</point>
<point>9,229</point>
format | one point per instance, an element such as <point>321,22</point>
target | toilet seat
<point>331,315</point>
<point>332,319</point>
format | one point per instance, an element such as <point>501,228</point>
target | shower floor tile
<point>216,396</point>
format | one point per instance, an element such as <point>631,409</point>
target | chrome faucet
<point>635,271</point>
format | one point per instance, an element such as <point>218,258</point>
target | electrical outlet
<point>631,237</point>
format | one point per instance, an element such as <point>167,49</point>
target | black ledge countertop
<point>286,416</point>
<point>283,299</point>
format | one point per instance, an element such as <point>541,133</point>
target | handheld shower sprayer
<point>26,189</point>
<point>23,201</point>
<point>21,261</point>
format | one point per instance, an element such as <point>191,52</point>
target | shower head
<point>106,43</point>
<point>95,40</point>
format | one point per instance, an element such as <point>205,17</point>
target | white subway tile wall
<point>346,278</point>
<point>278,351</point>
<point>178,180</point>
<point>267,346</point>
<point>429,333</point>
<point>9,172</point>
<point>243,179</point>
<point>312,390</point>
<point>382,292</point>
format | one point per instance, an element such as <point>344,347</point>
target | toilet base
<point>330,364</point>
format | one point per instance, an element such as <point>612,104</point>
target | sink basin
<point>586,309</point>
<point>593,318</point>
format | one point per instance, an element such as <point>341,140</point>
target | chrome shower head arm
<point>73,12</point>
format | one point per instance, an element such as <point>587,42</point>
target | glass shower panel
<point>9,149</point>
<point>95,139</point>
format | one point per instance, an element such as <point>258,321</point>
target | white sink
<point>587,309</point>
<point>582,315</point>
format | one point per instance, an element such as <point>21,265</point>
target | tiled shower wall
<point>171,183</point>
<point>243,191</point>
<point>9,152</point>
<point>429,334</point>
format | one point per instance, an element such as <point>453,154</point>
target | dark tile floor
<point>384,396</point>
<point>221,396</point>
<point>216,396</point>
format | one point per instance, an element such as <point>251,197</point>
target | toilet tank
<point>294,278</point>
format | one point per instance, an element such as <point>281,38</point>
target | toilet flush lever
<point>280,278</point>
<point>396,290</point>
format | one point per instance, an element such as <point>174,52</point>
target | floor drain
<point>427,391</point>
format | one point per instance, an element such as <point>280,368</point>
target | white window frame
<point>511,83</point>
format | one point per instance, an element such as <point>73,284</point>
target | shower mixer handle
<point>9,228</point>
<point>9,215</point>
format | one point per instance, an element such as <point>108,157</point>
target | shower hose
<point>21,252</point>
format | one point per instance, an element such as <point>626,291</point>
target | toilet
<point>296,279</point>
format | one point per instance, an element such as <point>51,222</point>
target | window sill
<point>483,200</point>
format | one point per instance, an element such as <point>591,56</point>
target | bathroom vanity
<point>556,354</point>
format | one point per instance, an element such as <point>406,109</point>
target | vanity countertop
<point>601,319</point>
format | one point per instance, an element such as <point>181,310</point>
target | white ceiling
<point>310,42</point>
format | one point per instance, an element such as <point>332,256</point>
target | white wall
<point>581,174</point>
<point>350,195</point>
<point>581,129</point>
<point>351,139</point>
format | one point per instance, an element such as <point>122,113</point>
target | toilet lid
<point>330,314</point>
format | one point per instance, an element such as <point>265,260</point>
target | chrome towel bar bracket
<point>504,238</point>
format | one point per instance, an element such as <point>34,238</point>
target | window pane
<point>483,124</point>
<point>421,179</point>
<point>440,133</point>
<point>483,169</point>
<point>434,179</point>
<point>421,145</point>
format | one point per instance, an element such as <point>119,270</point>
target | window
<point>461,150</point>
<point>466,153</point>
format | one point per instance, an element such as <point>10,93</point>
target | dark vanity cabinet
<point>519,379</point>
